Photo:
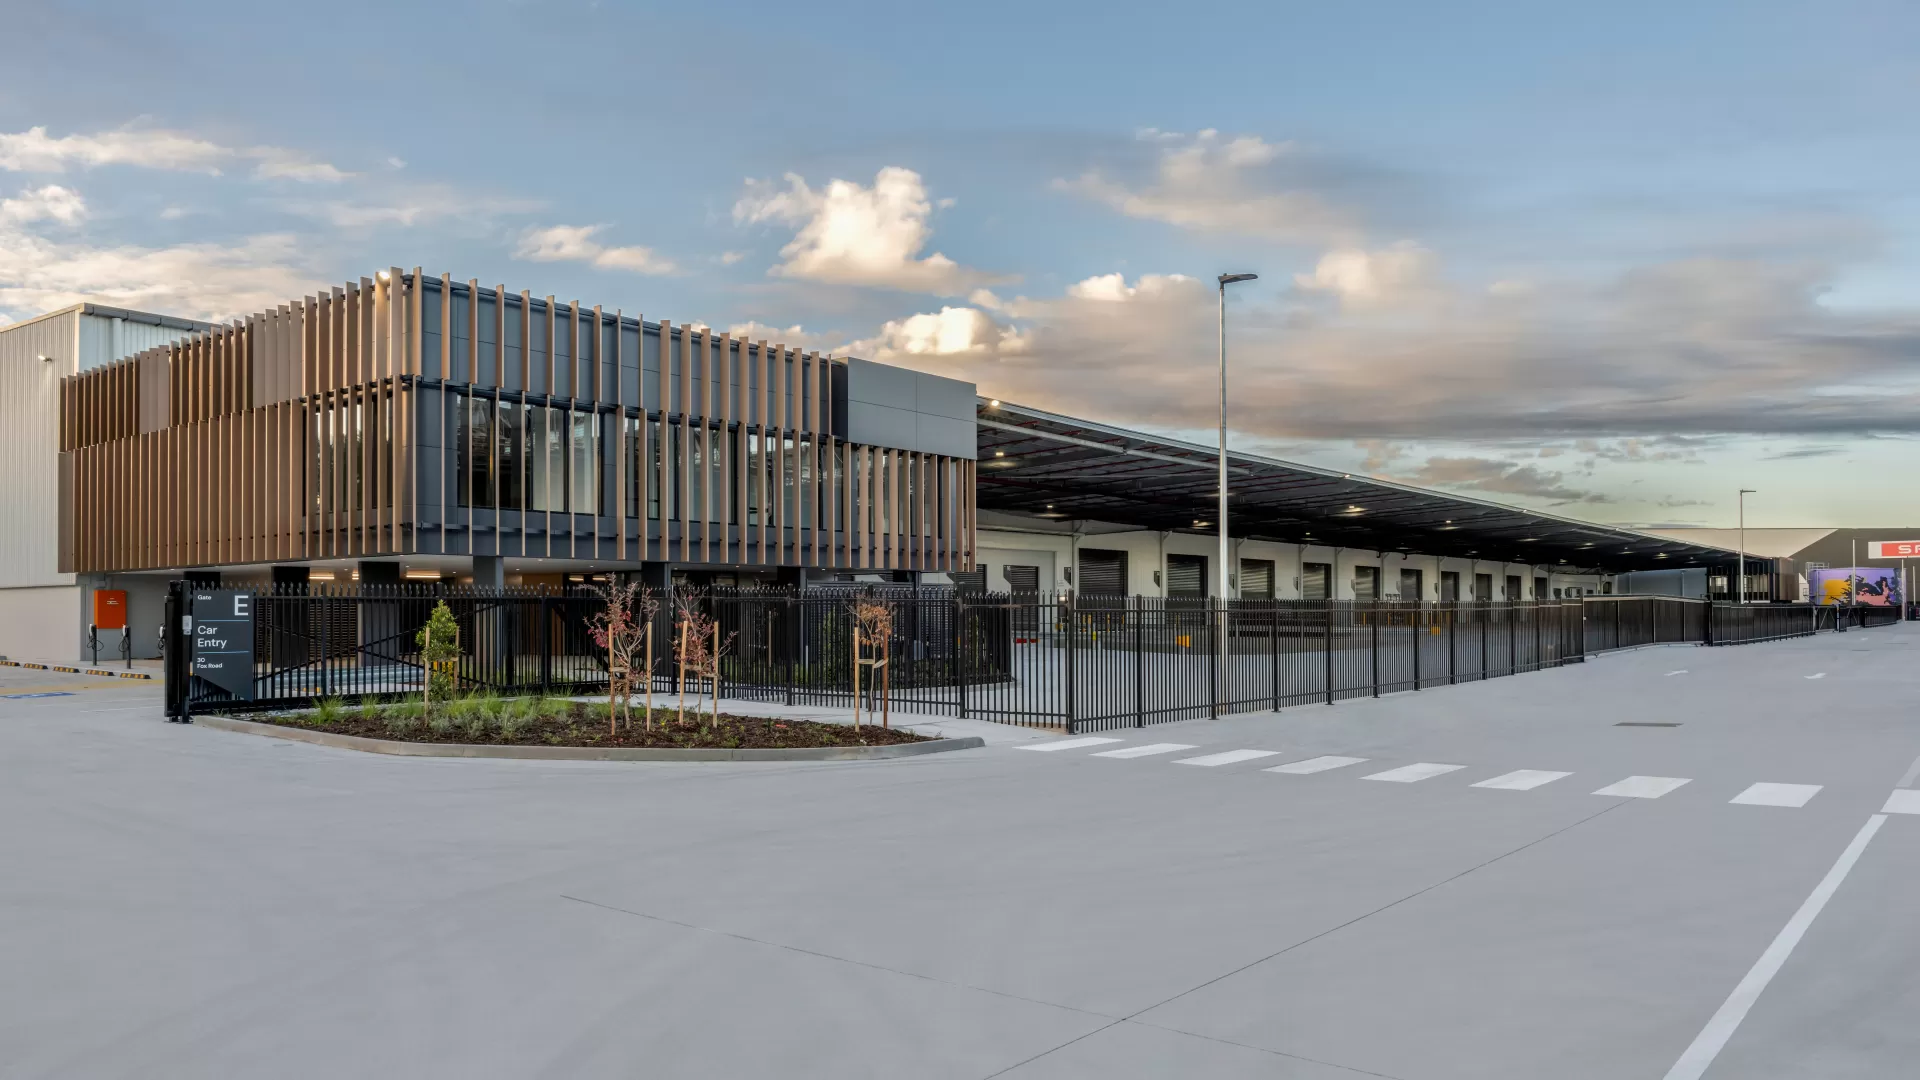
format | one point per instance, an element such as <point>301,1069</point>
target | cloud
<point>728,258</point>
<point>576,243</point>
<point>410,206</point>
<point>49,203</point>
<point>1400,276</point>
<point>1661,353</point>
<point>201,281</point>
<point>949,332</point>
<point>1209,183</point>
<point>33,150</point>
<point>849,234</point>
<point>793,337</point>
<point>1497,477</point>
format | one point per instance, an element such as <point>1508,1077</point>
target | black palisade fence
<point>1079,663</point>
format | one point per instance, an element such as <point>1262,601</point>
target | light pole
<point>1744,492</point>
<point>1225,577</point>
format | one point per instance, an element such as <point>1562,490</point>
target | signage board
<point>110,609</point>
<point>1893,549</point>
<point>223,640</point>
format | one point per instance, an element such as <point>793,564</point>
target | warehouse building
<point>410,427</point>
<point>45,608</point>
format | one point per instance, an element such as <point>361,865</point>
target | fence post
<point>1273,649</point>
<point>1330,602</point>
<point>1067,657</point>
<point>1486,616</point>
<point>1215,622</point>
<point>1139,656</point>
<point>546,644</point>
<point>1419,639</point>
<point>792,643</point>
<point>1539,658</point>
<point>1373,620</point>
<point>326,651</point>
<point>960,648</point>
<point>1513,642</point>
<point>1453,639</point>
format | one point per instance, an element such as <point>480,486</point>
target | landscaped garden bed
<point>536,721</point>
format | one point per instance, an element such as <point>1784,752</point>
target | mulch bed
<point>583,724</point>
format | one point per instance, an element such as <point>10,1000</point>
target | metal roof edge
<point>1260,459</point>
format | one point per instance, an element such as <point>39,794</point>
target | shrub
<point>371,709</point>
<point>401,723</point>
<point>440,723</point>
<point>513,721</point>
<point>328,711</point>
<point>439,643</point>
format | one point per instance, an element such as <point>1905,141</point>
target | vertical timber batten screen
<point>417,414</point>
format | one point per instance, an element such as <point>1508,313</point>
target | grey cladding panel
<point>906,410</point>
<point>943,397</point>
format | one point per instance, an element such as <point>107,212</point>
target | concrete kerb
<point>586,753</point>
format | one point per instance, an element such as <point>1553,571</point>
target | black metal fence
<point>1079,663</point>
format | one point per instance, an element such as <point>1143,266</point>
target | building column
<point>489,572</point>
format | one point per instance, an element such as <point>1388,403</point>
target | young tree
<point>623,622</point>
<point>872,631</point>
<point>439,643</point>
<point>700,648</point>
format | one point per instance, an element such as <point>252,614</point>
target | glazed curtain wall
<point>533,478</point>
<point>412,414</point>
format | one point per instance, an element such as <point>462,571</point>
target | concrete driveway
<point>1485,881</point>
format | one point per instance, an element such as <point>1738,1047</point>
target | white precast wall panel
<point>30,446</point>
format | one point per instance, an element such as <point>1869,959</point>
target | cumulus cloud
<point>577,243</point>
<point>1403,275</point>
<point>947,333</point>
<point>33,150</point>
<point>1211,183</point>
<point>49,203</point>
<point>850,234</point>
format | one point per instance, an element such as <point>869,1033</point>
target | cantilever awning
<point>1064,468</point>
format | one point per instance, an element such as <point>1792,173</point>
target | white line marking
<point>1407,774</point>
<point>1522,780</point>
<point>1904,801</point>
<point>1912,773</point>
<point>1794,795</point>
<point>1671,674</point>
<point>1314,765</point>
<point>1713,1038</point>
<point>1821,675</point>
<point>1145,751</point>
<point>1069,744</point>
<point>1227,758</point>
<point>1643,787</point>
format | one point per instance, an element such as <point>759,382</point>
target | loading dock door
<point>1102,572</point>
<point>1187,575</point>
<point>1315,577</point>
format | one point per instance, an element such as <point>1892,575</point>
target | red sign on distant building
<point>1893,549</point>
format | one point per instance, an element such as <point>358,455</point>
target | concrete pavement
<point>187,902</point>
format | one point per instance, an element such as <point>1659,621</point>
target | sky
<point>1616,262</point>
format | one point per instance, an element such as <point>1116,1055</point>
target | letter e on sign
<point>240,605</point>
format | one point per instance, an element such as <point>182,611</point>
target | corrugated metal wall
<point>30,447</point>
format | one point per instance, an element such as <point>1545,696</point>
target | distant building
<point>1799,551</point>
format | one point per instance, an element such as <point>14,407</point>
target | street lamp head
<point>1228,279</point>
<point>1749,491</point>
